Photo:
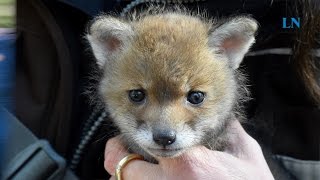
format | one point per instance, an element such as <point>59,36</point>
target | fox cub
<point>170,79</point>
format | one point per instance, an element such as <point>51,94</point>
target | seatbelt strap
<point>27,157</point>
<point>301,169</point>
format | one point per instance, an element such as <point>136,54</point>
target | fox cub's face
<point>169,78</point>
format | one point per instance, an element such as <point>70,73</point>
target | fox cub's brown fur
<point>169,77</point>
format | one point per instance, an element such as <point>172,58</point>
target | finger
<point>203,159</point>
<point>114,152</point>
<point>135,169</point>
<point>195,156</point>
<point>142,170</point>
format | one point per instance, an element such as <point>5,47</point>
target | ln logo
<point>290,23</point>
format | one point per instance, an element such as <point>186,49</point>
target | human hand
<point>243,159</point>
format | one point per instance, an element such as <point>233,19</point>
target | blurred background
<point>7,13</point>
<point>7,50</point>
<point>7,62</point>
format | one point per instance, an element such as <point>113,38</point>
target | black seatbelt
<point>27,157</point>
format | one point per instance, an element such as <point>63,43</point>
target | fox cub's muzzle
<point>164,137</point>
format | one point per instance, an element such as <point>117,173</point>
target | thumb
<point>240,143</point>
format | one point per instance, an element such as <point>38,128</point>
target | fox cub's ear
<point>234,38</point>
<point>108,36</point>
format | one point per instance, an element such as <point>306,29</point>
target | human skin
<point>243,159</point>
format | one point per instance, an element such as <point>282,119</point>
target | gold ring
<point>124,162</point>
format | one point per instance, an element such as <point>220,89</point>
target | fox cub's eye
<point>137,95</point>
<point>195,97</point>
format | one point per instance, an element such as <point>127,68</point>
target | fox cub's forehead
<point>172,69</point>
<point>171,30</point>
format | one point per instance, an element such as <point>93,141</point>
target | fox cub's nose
<point>164,137</point>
